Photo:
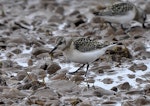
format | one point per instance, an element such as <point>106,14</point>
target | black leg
<point>86,76</point>
<point>112,26</point>
<point>87,67</point>
<point>77,69</point>
<point>122,27</point>
<point>126,30</point>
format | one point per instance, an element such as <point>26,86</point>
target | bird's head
<point>62,43</point>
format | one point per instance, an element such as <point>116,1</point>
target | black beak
<point>55,48</point>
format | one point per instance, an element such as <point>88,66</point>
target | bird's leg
<point>86,76</point>
<point>126,30</point>
<point>143,25</point>
<point>77,69</point>
<point>144,19</point>
<point>112,26</point>
<point>87,67</point>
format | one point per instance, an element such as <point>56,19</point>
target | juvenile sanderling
<point>122,13</point>
<point>81,50</point>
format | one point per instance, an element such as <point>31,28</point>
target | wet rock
<point>125,86</point>
<point>36,43</point>
<point>6,63</point>
<point>16,51</point>
<point>97,20</point>
<point>128,103</point>
<point>88,33</point>
<point>20,39</point>
<point>23,23</point>
<point>53,103</point>
<point>90,80</point>
<point>105,66</point>
<point>141,101</point>
<point>31,85</point>
<point>44,97</point>
<point>43,65</point>
<point>72,101</point>
<point>121,32</point>
<point>100,71</point>
<point>147,9</point>
<point>61,76</point>
<point>107,81</point>
<point>41,73</point>
<point>114,89</point>
<point>63,85</point>
<point>21,75</point>
<point>45,93</point>
<point>145,54</point>
<point>30,77</point>
<point>131,76</point>
<point>81,72</point>
<point>14,93</point>
<point>75,101</point>
<point>53,68</point>
<point>77,78</point>
<point>3,45</point>
<point>39,50</point>
<point>110,31</point>
<point>60,10</point>
<point>84,104</point>
<point>135,92</point>
<point>74,13</point>
<point>43,56</point>
<point>2,81</point>
<point>99,92</point>
<point>30,62</point>
<point>56,18</point>
<point>132,68</point>
<point>139,80</point>
<point>139,47</point>
<point>1,70</point>
<point>118,53</point>
<point>9,55</point>
<point>107,103</point>
<point>140,66</point>
<point>136,30</point>
<point>79,22</point>
<point>147,89</point>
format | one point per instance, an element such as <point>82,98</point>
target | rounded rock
<point>53,68</point>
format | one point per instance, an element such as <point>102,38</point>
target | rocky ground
<point>30,76</point>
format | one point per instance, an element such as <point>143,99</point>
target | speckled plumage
<point>121,8</point>
<point>86,44</point>
<point>122,12</point>
<point>81,50</point>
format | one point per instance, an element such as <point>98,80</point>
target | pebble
<point>53,68</point>
<point>125,86</point>
<point>136,67</point>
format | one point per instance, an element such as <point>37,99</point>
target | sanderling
<point>81,50</point>
<point>122,13</point>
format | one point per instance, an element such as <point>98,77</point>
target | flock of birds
<point>84,50</point>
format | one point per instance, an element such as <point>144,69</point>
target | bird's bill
<point>54,49</point>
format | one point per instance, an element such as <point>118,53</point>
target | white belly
<point>85,57</point>
<point>121,19</point>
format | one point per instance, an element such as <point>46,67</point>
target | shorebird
<point>81,50</point>
<point>122,13</point>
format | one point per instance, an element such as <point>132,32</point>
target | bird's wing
<point>116,9</point>
<point>121,8</point>
<point>86,44</point>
